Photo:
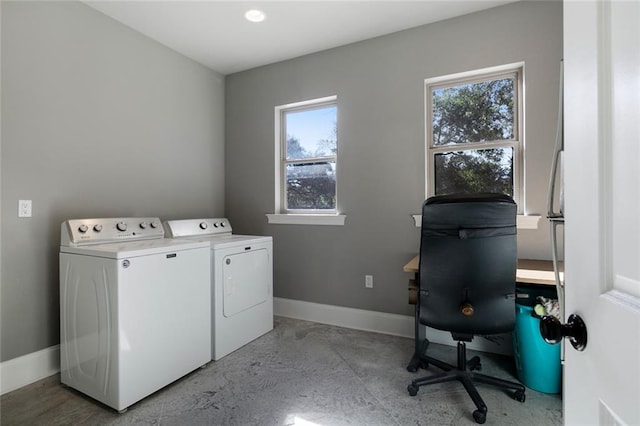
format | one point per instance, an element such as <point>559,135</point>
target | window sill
<point>523,221</point>
<point>306,219</point>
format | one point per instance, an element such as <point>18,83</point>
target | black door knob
<point>552,331</point>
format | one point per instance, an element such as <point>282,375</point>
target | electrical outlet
<point>24,208</point>
<point>368,281</point>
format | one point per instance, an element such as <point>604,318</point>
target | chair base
<point>464,373</point>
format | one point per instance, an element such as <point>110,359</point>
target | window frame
<point>515,71</point>
<point>282,161</point>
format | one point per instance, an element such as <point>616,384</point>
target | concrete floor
<point>301,373</point>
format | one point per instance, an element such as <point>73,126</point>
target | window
<point>474,133</point>
<point>306,156</point>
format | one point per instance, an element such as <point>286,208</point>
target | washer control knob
<point>83,228</point>
<point>203,225</point>
<point>215,224</point>
<point>121,226</point>
<point>154,224</point>
<point>143,225</point>
<point>222,224</point>
<point>97,227</point>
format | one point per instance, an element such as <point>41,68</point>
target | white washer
<point>134,308</point>
<point>241,280</point>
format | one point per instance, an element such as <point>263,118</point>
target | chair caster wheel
<point>480,417</point>
<point>413,389</point>
<point>519,396</point>
<point>415,364</point>
<point>474,364</point>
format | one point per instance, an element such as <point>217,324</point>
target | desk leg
<point>419,337</point>
<point>420,342</point>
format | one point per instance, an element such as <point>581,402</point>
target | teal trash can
<point>537,362</point>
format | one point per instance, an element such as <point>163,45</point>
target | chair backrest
<point>468,261</point>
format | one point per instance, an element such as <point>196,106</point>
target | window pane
<point>474,112</point>
<point>311,186</point>
<point>311,133</point>
<point>486,170</point>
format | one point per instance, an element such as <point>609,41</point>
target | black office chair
<point>468,261</point>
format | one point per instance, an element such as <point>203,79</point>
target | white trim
<point>475,73</point>
<point>358,319</point>
<point>517,70</point>
<point>18,372</point>
<point>523,221</point>
<point>22,371</point>
<point>309,102</point>
<point>277,125</point>
<point>279,141</point>
<point>306,219</point>
<point>378,322</point>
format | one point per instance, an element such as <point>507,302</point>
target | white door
<point>602,209</point>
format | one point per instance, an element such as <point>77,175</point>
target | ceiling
<point>216,34</point>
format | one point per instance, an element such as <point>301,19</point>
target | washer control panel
<point>76,232</point>
<point>191,227</point>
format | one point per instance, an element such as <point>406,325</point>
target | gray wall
<point>97,120</point>
<point>380,89</point>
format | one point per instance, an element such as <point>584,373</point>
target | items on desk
<point>547,306</point>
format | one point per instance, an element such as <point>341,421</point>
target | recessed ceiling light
<point>255,15</point>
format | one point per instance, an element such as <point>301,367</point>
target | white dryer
<point>134,308</point>
<point>241,280</point>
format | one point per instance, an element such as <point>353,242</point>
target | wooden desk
<point>529,271</point>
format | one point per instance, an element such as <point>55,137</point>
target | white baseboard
<point>18,372</point>
<point>379,322</point>
<point>358,319</point>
